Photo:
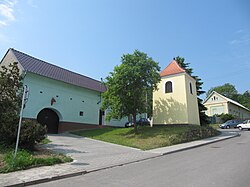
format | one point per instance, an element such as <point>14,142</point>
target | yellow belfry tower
<point>175,101</point>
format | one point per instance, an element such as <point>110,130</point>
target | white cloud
<point>7,12</point>
<point>242,38</point>
<point>245,40</point>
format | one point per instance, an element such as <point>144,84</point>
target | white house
<point>218,104</point>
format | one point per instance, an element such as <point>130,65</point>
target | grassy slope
<point>148,138</point>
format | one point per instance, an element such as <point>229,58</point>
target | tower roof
<point>171,69</point>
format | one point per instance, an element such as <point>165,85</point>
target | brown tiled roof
<point>171,69</point>
<point>45,69</point>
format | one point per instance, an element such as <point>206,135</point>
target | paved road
<point>226,163</point>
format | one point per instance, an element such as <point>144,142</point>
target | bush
<point>8,127</point>
<point>31,133</point>
<point>226,117</point>
<point>196,133</point>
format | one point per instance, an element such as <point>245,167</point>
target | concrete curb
<point>202,144</point>
<point>39,181</point>
<point>190,145</point>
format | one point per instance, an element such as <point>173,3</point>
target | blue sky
<point>90,36</point>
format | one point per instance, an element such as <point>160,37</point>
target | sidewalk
<point>92,155</point>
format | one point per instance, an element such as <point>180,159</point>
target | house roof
<point>171,69</point>
<point>227,99</point>
<point>40,67</point>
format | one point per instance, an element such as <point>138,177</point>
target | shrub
<point>31,133</point>
<point>226,117</point>
<point>10,102</point>
<point>197,132</point>
<point>8,127</point>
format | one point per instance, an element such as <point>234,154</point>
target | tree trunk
<point>135,125</point>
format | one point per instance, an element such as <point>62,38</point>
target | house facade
<point>61,99</point>
<point>175,101</point>
<point>218,104</point>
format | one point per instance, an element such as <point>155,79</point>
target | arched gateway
<point>49,118</point>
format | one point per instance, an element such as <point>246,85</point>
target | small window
<point>168,87</point>
<point>81,113</point>
<point>191,89</point>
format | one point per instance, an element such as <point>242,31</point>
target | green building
<point>59,98</point>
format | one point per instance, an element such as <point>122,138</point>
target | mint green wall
<point>67,109</point>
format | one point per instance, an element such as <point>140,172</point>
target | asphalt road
<point>225,163</point>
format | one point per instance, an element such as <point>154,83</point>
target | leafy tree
<point>226,117</point>
<point>10,104</point>
<point>201,107</point>
<point>245,99</point>
<point>128,85</point>
<point>228,90</point>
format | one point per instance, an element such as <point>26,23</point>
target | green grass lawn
<point>149,138</point>
<point>28,159</point>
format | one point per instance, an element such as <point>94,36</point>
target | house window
<point>168,87</point>
<point>81,113</point>
<point>191,89</point>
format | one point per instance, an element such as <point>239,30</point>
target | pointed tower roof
<point>171,69</point>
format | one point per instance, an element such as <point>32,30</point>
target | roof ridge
<point>53,64</point>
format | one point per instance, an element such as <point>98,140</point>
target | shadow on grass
<point>95,132</point>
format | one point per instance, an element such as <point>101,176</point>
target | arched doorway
<point>49,118</point>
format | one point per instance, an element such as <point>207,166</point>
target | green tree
<point>228,90</point>
<point>10,105</point>
<point>201,107</point>
<point>10,102</point>
<point>246,99</point>
<point>226,117</point>
<point>129,84</point>
<point>243,99</point>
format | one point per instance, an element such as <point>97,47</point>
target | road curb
<point>202,144</point>
<point>49,179</point>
